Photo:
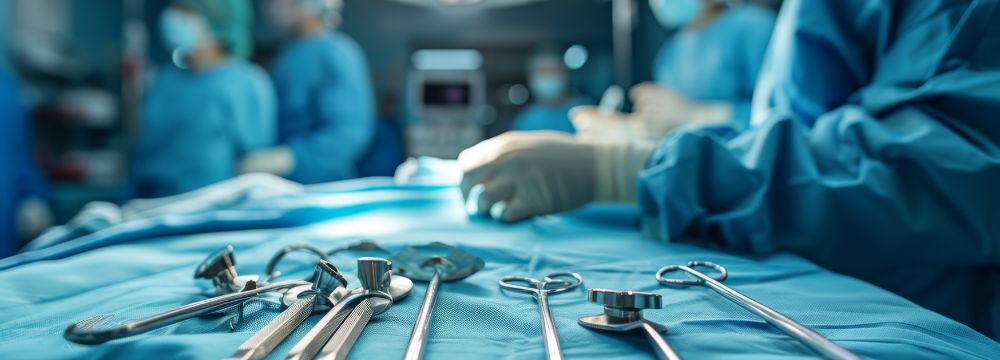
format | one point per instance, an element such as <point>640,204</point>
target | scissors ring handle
<point>510,282</point>
<point>563,285</point>
<point>722,275</point>
<point>269,270</point>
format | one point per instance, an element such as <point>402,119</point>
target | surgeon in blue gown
<point>203,114</point>
<point>23,210</point>
<point>326,103</point>
<point>714,57</point>
<point>548,79</point>
<point>704,73</point>
<point>875,153</point>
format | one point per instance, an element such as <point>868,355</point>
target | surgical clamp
<point>541,289</point>
<point>376,276</point>
<point>328,287</point>
<point>810,338</point>
<point>83,333</point>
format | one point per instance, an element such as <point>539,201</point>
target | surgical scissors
<point>810,338</point>
<point>541,289</point>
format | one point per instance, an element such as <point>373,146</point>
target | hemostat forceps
<point>810,338</point>
<point>541,289</point>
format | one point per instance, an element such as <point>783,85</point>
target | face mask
<point>548,87</point>
<point>675,13</point>
<point>181,32</point>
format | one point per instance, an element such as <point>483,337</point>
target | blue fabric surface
<point>719,62</point>
<point>197,126</point>
<point>326,106</point>
<point>473,319</point>
<point>894,182</point>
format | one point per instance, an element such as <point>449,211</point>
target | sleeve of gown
<point>346,109</point>
<point>754,38</point>
<point>900,166</point>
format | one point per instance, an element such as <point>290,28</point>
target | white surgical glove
<point>661,110</point>
<point>33,217</point>
<point>598,125</point>
<point>527,174</point>
<point>278,161</point>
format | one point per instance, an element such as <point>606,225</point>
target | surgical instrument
<point>321,333</point>
<point>375,275</point>
<point>623,312</point>
<point>541,289</point>
<point>417,264</point>
<point>82,332</point>
<point>810,338</point>
<point>219,268</point>
<point>328,287</point>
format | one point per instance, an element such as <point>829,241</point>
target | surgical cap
<point>545,58</point>
<point>228,20</point>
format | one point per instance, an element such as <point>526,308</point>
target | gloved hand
<point>598,125</point>
<point>526,174</point>
<point>661,110</point>
<point>278,161</point>
<point>33,217</point>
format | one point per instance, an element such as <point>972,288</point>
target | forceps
<point>810,338</point>
<point>541,289</point>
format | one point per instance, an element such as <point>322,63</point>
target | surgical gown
<point>719,62</point>
<point>19,176</point>
<point>197,126</point>
<point>877,154</point>
<point>326,106</point>
<point>539,116</point>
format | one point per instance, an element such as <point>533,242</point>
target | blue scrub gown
<point>197,126</point>
<point>896,181</point>
<point>326,106</point>
<point>539,116</point>
<point>19,176</point>
<point>719,62</point>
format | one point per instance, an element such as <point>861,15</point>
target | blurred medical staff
<point>705,73</point>
<point>202,115</point>
<point>877,155</point>
<point>326,103</point>
<point>548,79</point>
<point>23,211</point>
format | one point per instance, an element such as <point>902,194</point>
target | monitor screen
<point>446,94</point>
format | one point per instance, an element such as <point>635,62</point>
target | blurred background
<point>445,74</point>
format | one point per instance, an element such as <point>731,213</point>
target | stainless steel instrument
<point>434,263</point>
<point>541,289</point>
<point>810,338</point>
<point>623,312</point>
<point>328,287</point>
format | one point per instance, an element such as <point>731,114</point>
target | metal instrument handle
<point>810,338</point>
<point>343,340</point>
<point>313,341</point>
<point>81,333</point>
<point>552,348</point>
<point>264,341</point>
<point>665,351</point>
<point>418,338</point>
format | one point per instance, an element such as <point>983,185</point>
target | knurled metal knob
<point>625,299</point>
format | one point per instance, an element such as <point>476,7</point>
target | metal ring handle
<point>509,282</point>
<point>723,274</point>
<point>575,281</point>
<point>269,270</point>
